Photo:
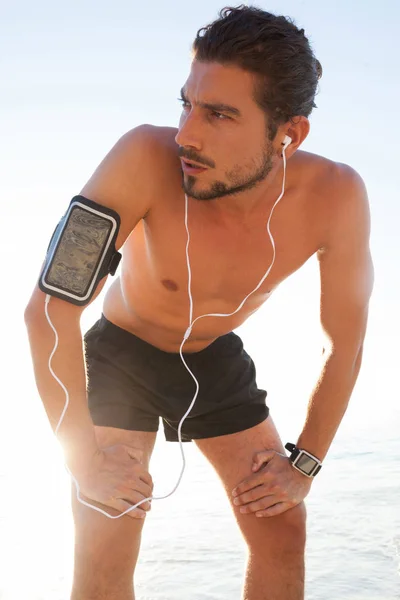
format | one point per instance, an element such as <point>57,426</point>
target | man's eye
<point>219,116</point>
<point>185,103</point>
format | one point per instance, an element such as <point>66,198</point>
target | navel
<point>170,285</point>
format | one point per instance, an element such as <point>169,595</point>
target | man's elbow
<point>35,307</point>
<point>35,313</point>
<point>346,352</point>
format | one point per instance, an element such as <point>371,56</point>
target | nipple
<point>170,285</point>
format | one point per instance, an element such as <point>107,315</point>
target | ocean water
<point>191,548</point>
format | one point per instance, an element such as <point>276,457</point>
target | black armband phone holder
<point>81,251</point>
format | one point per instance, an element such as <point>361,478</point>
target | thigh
<point>107,549</point>
<point>231,456</point>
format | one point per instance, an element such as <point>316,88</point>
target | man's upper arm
<point>346,267</point>
<point>121,182</point>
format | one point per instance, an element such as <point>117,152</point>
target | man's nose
<point>189,131</point>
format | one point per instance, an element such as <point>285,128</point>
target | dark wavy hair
<point>272,48</point>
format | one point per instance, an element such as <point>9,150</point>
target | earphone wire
<point>185,338</point>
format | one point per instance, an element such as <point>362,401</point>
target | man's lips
<point>191,168</point>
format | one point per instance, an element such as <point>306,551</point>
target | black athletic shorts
<point>132,384</point>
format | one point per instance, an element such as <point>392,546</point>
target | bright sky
<point>77,75</point>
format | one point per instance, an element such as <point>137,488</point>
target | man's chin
<point>197,192</point>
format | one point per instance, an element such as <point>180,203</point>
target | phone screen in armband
<point>81,251</point>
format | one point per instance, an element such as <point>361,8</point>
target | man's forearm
<point>329,401</point>
<point>76,433</point>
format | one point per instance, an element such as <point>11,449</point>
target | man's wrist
<point>79,448</point>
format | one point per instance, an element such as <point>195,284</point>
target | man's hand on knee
<point>117,477</point>
<point>273,488</point>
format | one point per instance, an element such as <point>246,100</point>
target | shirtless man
<point>239,102</point>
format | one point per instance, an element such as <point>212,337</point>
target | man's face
<point>223,130</point>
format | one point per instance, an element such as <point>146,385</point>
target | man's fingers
<point>262,458</point>
<point>249,483</point>
<point>135,498</point>
<point>135,482</point>
<point>259,505</point>
<point>266,508</point>
<point>276,509</point>
<point>134,492</point>
<point>253,495</point>
<point>123,505</point>
<point>259,459</point>
<point>145,477</point>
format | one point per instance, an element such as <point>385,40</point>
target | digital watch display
<point>303,461</point>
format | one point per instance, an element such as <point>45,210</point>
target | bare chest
<point>226,259</point>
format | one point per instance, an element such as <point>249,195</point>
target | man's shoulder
<point>334,184</point>
<point>152,137</point>
<point>337,193</point>
<point>326,171</point>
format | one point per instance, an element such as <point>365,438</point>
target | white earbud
<point>286,142</point>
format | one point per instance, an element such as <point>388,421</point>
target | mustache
<point>192,155</point>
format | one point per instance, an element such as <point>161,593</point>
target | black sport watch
<point>303,461</point>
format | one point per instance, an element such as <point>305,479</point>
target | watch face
<point>306,463</point>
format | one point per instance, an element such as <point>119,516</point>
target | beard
<point>237,180</point>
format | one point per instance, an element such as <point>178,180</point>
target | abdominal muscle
<point>163,323</point>
<point>157,309</point>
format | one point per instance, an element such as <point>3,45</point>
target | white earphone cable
<point>186,336</point>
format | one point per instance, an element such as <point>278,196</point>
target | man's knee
<point>294,525</point>
<point>295,517</point>
<point>106,552</point>
<point>284,533</point>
